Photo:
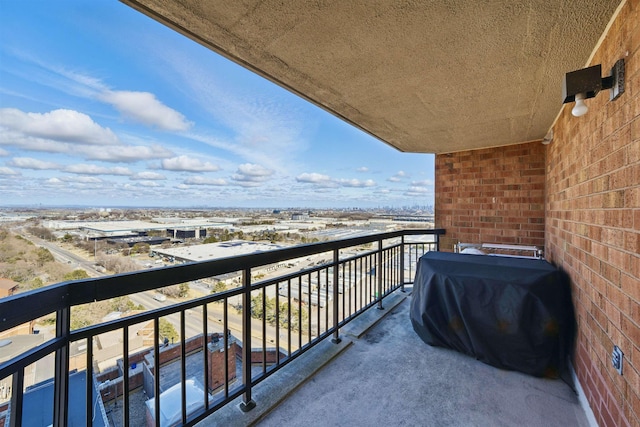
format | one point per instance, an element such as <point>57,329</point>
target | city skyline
<point>102,106</point>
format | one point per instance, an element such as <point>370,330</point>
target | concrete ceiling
<point>431,76</point>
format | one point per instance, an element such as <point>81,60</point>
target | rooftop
<point>7,283</point>
<point>218,250</point>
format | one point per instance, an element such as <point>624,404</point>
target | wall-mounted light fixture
<point>586,83</point>
<point>548,137</point>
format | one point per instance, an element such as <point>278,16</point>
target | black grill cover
<point>511,313</point>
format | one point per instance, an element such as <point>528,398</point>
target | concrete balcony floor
<point>383,374</point>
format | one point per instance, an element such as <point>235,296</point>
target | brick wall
<point>216,366</point>
<point>491,195</point>
<point>4,412</point>
<point>593,226</point>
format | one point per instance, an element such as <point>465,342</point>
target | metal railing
<point>123,371</point>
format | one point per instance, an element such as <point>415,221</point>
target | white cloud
<point>362,169</point>
<point>120,170</point>
<point>251,175</point>
<point>7,171</point>
<point>424,183</point>
<point>108,153</point>
<point>188,164</point>
<point>148,176</point>
<point>418,191</point>
<point>149,184</point>
<point>31,163</point>
<point>81,179</point>
<point>58,125</point>
<point>3,153</point>
<point>326,181</point>
<point>397,177</point>
<point>126,154</point>
<point>356,183</point>
<point>200,180</point>
<point>145,108</point>
<point>25,142</point>
<point>85,169</point>
<point>254,170</point>
<point>313,178</point>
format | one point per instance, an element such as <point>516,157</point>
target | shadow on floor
<point>386,375</point>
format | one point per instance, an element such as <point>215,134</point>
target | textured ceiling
<point>423,76</point>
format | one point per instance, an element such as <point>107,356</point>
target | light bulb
<point>580,109</point>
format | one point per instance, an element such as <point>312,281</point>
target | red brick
<point>631,330</point>
<point>586,201</point>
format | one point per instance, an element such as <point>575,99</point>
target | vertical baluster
<point>125,380</point>
<point>264,330</point>
<point>183,366</point>
<point>379,276</point>
<point>17,386</point>
<point>278,324</point>
<point>299,313</point>
<point>359,280</point>
<point>348,267</point>
<point>156,368</point>
<point>89,383</point>
<point>289,323</point>
<point>309,317</point>
<point>225,334</point>
<point>336,332</point>
<point>247,404</point>
<point>61,375</point>
<point>318,306</point>
<point>326,301</point>
<point>205,354</point>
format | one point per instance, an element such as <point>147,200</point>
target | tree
<point>41,232</point>
<point>269,308</point>
<point>44,256</point>
<point>176,291</point>
<point>184,290</point>
<point>140,248</point>
<point>76,275</point>
<point>37,283</point>
<point>298,317</point>
<point>219,287</point>
<point>117,264</point>
<point>167,330</point>
<point>124,304</point>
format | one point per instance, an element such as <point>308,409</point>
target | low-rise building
<point>7,287</point>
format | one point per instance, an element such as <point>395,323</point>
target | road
<point>193,317</point>
<point>63,256</point>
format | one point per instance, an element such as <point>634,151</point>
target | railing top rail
<point>24,307</point>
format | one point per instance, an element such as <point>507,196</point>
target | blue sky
<point>102,106</point>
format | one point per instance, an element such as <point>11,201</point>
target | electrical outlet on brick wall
<point>616,358</point>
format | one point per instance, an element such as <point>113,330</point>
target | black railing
<point>227,342</point>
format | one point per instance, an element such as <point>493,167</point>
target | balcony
<point>221,356</point>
